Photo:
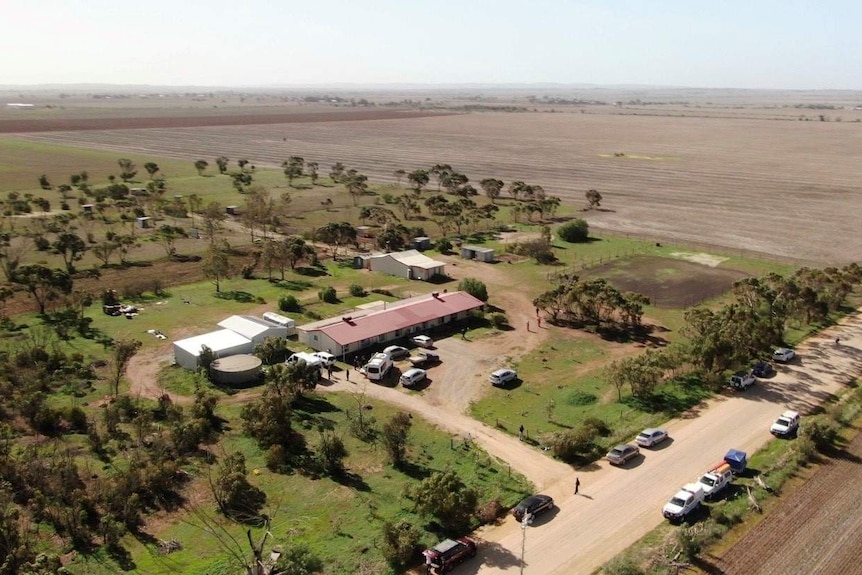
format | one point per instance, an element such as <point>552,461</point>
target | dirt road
<point>617,506</point>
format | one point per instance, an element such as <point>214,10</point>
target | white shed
<point>224,342</point>
<point>282,320</point>
<point>254,328</point>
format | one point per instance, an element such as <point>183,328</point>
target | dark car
<point>532,505</point>
<point>762,369</point>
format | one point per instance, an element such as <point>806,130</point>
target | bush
<point>444,246</point>
<point>574,231</point>
<point>474,287</point>
<point>357,290</point>
<point>499,321</point>
<point>490,511</point>
<point>289,303</point>
<point>822,433</point>
<point>328,295</point>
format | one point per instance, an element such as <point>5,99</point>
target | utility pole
<point>528,518</point>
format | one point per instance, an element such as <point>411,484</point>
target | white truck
<point>715,480</point>
<point>377,367</point>
<point>684,502</point>
<point>308,358</point>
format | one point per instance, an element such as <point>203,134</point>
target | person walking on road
<point>577,485</point>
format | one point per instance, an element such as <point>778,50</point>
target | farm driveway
<point>617,506</point>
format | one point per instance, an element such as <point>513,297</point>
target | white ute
<point>786,425</point>
<point>715,480</point>
<point>684,502</point>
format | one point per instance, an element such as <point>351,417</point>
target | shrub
<point>499,320</point>
<point>474,287</point>
<point>289,303</point>
<point>490,511</point>
<point>574,231</point>
<point>357,290</point>
<point>444,246</point>
<point>822,432</point>
<point>400,543</point>
<point>385,292</point>
<point>328,295</point>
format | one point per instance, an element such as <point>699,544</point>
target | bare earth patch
<point>700,258</point>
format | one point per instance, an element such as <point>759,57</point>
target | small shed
<point>144,222</point>
<point>421,243</point>
<point>281,320</point>
<point>87,208</point>
<point>477,253</point>
<point>231,210</point>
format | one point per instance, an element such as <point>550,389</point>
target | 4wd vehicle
<point>786,425</point>
<point>742,380</point>
<point>327,358</point>
<point>651,436</point>
<point>762,369</point>
<point>502,376</point>
<point>423,358</point>
<point>783,355</point>
<point>684,502</point>
<point>444,556</point>
<point>396,352</point>
<point>716,479</point>
<point>412,377</point>
<point>622,453</point>
<point>532,505</point>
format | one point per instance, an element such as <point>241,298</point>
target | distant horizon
<point>737,44</point>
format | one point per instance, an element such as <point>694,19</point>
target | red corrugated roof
<point>401,317</point>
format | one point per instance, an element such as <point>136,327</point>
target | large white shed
<point>254,328</point>
<point>224,342</point>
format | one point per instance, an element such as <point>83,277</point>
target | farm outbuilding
<point>278,319</point>
<point>144,222</point>
<point>223,343</point>
<point>254,328</point>
<point>477,253</point>
<point>408,264</point>
<point>422,243</point>
<point>365,328</point>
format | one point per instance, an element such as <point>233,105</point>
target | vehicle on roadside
<point>684,502</point>
<point>742,380</point>
<point>327,358</point>
<point>762,369</point>
<point>502,377</point>
<point>422,341</point>
<point>532,506</point>
<point>786,425</point>
<point>308,359</point>
<point>783,355</point>
<point>424,358</point>
<point>715,480</point>
<point>650,437</point>
<point>396,352</point>
<point>377,367</point>
<point>622,453</point>
<point>444,556</point>
<point>413,377</point>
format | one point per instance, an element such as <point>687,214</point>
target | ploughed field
<point>816,529</point>
<point>783,187</point>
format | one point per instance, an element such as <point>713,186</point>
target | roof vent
<point>435,294</point>
<point>348,319</point>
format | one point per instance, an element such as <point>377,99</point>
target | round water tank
<point>236,369</point>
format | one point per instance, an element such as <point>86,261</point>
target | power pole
<point>528,518</point>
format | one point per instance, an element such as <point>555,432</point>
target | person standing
<point>347,373</point>
<point>577,485</point>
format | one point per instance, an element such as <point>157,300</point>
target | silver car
<point>502,376</point>
<point>651,436</point>
<point>622,453</point>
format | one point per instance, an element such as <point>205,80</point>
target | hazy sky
<point>698,43</point>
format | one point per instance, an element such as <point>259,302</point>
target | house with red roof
<point>366,328</point>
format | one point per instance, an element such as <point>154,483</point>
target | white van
<point>378,366</point>
<point>308,358</point>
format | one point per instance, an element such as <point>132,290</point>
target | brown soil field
<point>791,189</point>
<point>816,529</point>
<point>199,120</point>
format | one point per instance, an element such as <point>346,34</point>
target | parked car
<point>786,425</point>
<point>742,380</point>
<point>762,369</point>
<point>422,341</point>
<point>622,453</point>
<point>396,352</point>
<point>413,376</point>
<point>444,556</point>
<point>651,436</point>
<point>327,358</point>
<point>533,505</point>
<point>783,355</point>
<point>502,376</point>
<point>423,358</point>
